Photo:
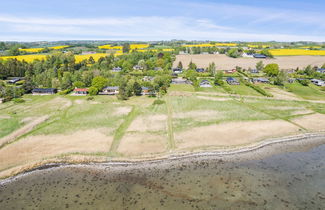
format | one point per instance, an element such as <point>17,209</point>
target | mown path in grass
<point>120,131</point>
<point>171,140</point>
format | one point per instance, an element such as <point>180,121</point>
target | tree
<point>323,66</point>
<point>66,81</point>
<point>218,78</point>
<point>260,65</point>
<point>126,48</point>
<point>79,84</point>
<point>14,51</point>
<point>137,89</point>
<point>91,60</point>
<point>234,53</point>
<point>271,69</point>
<point>93,91</point>
<point>123,95</point>
<point>180,65</point>
<point>192,66</point>
<point>281,78</point>
<point>266,53</point>
<point>99,82</point>
<point>212,69</point>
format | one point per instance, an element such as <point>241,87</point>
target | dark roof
<point>44,90</point>
<point>145,88</point>
<point>111,88</point>
<point>259,56</point>
<point>231,79</point>
<point>200,70</point>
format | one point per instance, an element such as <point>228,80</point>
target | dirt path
<point>119,133</point>
<point>171,140</point>
<point>25,129</point>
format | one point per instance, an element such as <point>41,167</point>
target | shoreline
<point>258,150</point>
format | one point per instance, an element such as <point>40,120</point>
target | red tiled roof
<point>81,89</point>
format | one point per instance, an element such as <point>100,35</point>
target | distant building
<point>137,67</point>
<point>179,81</point>
<point>260,80</point>
<point>14,80</point>
<point>291,80</point>
<point>247,55</point>
<point>318,82</point>
<point>232,81</point>
<point>147,91</point>
<point>148,78</point>
<point>44,91</point>
<point>259,56</point>
<point>177,70</point>
<point>200,70</point>
<point>158,69</point>
<point>230,71</point>
<point>2,100</point>
<point>205,84</point>
<point>80,91</point>
<point>116,69</point>
<point>322,71</point>
<point>254,71</point>
<point>110,90</point>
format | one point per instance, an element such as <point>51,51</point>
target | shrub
<point>258,89</point>
<point>18,100</point>
<point>304,82</point>
<point>65,92</point>
<point>90,98</point>
<point>93,91</point>
<point>158,102</point>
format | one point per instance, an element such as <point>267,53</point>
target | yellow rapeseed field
<point>36,50</point>
<point>212,45</point>
<point>282,52</point>
<point>31,58</point>
<point>138,46</point>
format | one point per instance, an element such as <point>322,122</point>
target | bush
<point>304,82</point>
<point>158,102</point>
<point>90,98</point>
<point>18,100</point>
<point>65,92</point>
<point>93,91</point>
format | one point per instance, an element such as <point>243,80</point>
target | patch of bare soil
<point>23,130</point>
<point>123,110</point>
<point>226,63</point>
<point>233,133</point>
<point>200,115</point>
<point>314,122</point>
<point>282,95</point>
<point>4,117</point>
<point>149,123</point>
<point>213,98</point>
<point>142,143</point>
<point>35,148</point>
<point>79,101</point>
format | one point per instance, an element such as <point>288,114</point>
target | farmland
<point>36,50</point>
<point>224,62</point>
<point>297,52</point>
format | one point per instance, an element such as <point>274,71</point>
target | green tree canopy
<point>272,69</point>
<point>99,82</point>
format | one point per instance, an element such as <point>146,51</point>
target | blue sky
<point>145,20</point>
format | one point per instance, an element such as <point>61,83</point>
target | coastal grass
<point>181,87</point>
<point>309,92</point>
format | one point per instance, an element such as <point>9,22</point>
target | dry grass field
<point>224,62</point>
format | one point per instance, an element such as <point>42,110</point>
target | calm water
<point>290,180</point>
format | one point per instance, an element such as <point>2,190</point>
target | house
<point>116,69</point>
<point>318,82</point>
<point>80,91</point>
<point>260,80</point>
<point>248,55</point>
<point>110,90</point>
<point>232,81</point>
<point>137,67</point>
<point>230,71</point>
<point>44,91</point>
<point>291,80</point>
<point>254,71</point>
<point>177,70</point>
<point>205,84</point>
<point>322,71</point>
<point>148,78</point>
<point>147,91</point>
<point>259,56</point>
<point>14,80</point>
<point>200,70</point>
<point>179,81</point>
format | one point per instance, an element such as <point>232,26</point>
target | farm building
<point>248,55</point>
<point>232,81</point>
<point>205,84</point>
<point>260,80</point>
<point>177,70</point>
<point>200,70</point>
<point>80,91</point>
<point>291,80</point>
<point>116,69</point>
<point>44,91</point>
<point>318,82</point>
<point>230,71</point>
<point>259,56</point>
<point>110,90</point>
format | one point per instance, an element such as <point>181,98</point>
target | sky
<point>151,20</point>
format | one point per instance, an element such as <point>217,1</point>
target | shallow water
<point>290,180</point>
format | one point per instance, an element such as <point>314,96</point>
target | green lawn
<point>181,87</point>
<point>307,92</point>
<point>243,90</point>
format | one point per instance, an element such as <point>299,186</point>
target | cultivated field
<point>224,62</point>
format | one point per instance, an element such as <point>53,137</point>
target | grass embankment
<point>310,92</point>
